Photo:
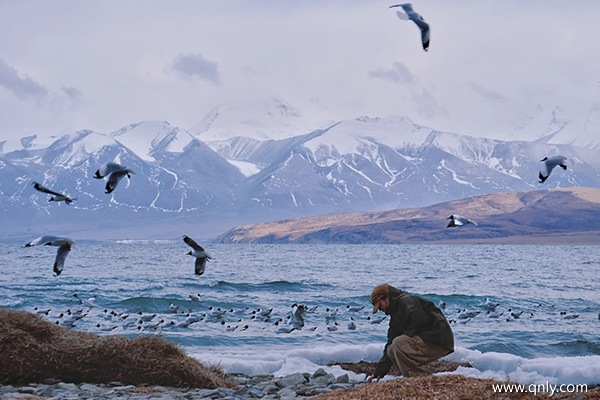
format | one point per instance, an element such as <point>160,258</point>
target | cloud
<point>486,93</point>
<point>192,66</point>
<point>22,87</point>
<point>74,94</point>
<point>397,74</point>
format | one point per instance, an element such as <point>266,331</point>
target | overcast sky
<point>101,65</point>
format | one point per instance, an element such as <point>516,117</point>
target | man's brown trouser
<point>409,353</point>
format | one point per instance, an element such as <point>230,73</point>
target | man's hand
<point>371,377</point>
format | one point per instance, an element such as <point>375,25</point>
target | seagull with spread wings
<point>198,251</point>
<point>64,247</point>
<point>410,14</point>
<point>115,173</point>
<point>459,220</point>
<point>548,165</point>
<point>55,195</point>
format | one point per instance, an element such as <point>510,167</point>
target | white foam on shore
<point>499,366</point>
<point>554,370</point>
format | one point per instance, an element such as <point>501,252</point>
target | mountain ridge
<point>360,164</point>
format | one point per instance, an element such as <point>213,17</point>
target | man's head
<point>379,293</point>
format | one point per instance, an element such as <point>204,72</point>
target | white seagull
<point>64,246</point>
<point>55,195</point>
<point>417,19</point>
<point>459,220</point>
<point>195,297</point>
<point>90,303</point>
<point>115,173</point>
<point>198,251</point>
<point>548,165</point>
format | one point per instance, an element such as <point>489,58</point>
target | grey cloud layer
<point>196,66</point>
<point>398,73</point>
<point>22,87</point>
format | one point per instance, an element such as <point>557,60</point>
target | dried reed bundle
<point>33,349</point>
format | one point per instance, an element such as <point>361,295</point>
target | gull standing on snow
<point>64,246</point>
<point>115,173</point>
<point>198,251</point>
<point>459,220</point>
<point>55,195</point>
<point>417,19</point>
<point>548,165</point>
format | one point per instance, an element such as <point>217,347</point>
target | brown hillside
<point>557,216</point>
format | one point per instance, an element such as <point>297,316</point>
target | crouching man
<point>418,333</point>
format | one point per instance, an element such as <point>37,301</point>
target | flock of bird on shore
<point>186,315</point>
<point>178,316</point>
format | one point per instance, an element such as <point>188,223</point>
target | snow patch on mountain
<point>31,142</point>
<point>347,136</point>
<point>148,137</point>
<point>246,168</point>
<point>80,145</point>
<point>542,122</point>
<point>583,130</point>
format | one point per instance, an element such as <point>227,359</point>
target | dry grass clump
<point>443,387</point>
<point>33,349</point>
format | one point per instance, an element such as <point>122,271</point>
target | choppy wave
<point>268,286</point>
<point>10,303</point>
<point>577,347</point>
<point>141,241</point>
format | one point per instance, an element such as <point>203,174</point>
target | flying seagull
<point>64,246</point>
<point>115,173</point>
<point>55,195</point>
<point>417,19</point>
<point>198,251</point>
<point>549,164</point>
<point>459,220</point>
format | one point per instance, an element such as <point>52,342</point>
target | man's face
<point>383,304</point>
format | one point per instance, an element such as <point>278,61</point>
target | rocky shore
<point>319,385</point>
<point>299,385</point>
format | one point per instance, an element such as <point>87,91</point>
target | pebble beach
<point>298,385</point>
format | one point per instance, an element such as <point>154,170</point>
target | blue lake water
<point>555,289</point>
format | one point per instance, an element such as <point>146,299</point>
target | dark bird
<point>55,195</point>
<point>198,251</point>
<point>64,246</point>
<point>459,220</point>
<point>417,19</point>
<point>548,165</point>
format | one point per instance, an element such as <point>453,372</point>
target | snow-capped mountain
<point>583,130</point>
<point>263,119</point>
<point>184,181</point>
<point>151,138</point>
